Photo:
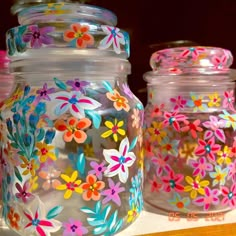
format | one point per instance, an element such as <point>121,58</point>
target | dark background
<point>209,23</point>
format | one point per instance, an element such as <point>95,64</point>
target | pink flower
<point>194,52</point>
<point>211,197</point>
<point>179,102</point>
<point>173,118</point>
<point>229,100</point>
<point>112,194</point>
<point>161,163</point>
<point>200,167</point>
<point>73,228</point>
<point>219,62</point>
<point>98,169</point>
<point>155,186</point>
<point>215,125</point>
<point>208,148</point>
<point>172,181</point>
<point>157,110</point>
<point>229,196</point>
<point>23,192</point>
<point>192,128</point>
<point>232,171</point>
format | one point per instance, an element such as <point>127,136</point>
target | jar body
<point>190,143</point>
<point>73,155</point>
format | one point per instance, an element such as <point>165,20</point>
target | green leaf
<point>60,84</point>
<point>55,211</point>
<point>18,175</point>
<point>133,144</point>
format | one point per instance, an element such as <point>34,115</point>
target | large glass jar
<point>74,128</point>
<point>190,138</point>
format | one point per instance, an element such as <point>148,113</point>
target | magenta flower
<point>200,167</point>
<point>162,164</point>
<point>210,197</point>
<point>229,196</point>
<point>194,52</point>
<point>73,228</point>
<point>23,193</point>
<point>173,118</point>
<point>112,194</point>
<point>216,128</point>
<point>193,127</point>
<point>78,85</point>
<point>208,148</point>
<point>228,101</point>
<point>172,181</point>
<point>98,169</point>
<point>232,171</point>
<point>179,102</point>
<point>219,62</point>
<point>43,92</point>
<point>37,37</point>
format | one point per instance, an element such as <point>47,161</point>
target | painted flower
<point>173,119</point>
<point>161,164</point>
<point>73,129</point>
<point>75,102</point>
<point>16,96</point>
<point>197,102</point>
<point>44,152</point>
<point>157,110</point>
<point>155,185</point>
<point>33,183</point>
<point>179,102</point>
<point>120,102</point>
<point>232,171</point>
<point>219,175</point>
<point>173,182</point>
<point>200,166</point>
<point>229,100</point>
<point>38,36</point>
<point>56,9</point>
<point>195,186</point>
<point>187,150</point>
<point>210,197</point>
<point>29,166</point>
<point>233,149</point>
<point>170,147</point>
<point>132,213</point>
<point>112,194</point>
<point>114,37</point>
<point>193,52</point>
<point>193,127</point>
<point>179,204</point>
<point>214,100</point>
<point>127,91</point>
<point>219,62</point>
<point>92,188</point>
<point>136,118</point>
<point>78,35</point>
<point>23,192</point>
<point>208,148</point>
<point>14,219</point>
<point>224,156</point>
<point>115,128</point>
<point>156,132</point>
<point>78,85</point>
<point>44,92</point>
<point>98,169</point>
<point>229,196</point>
<point>216,128</point>
<point>73,228</point>
<point>50,176</point>
<point>119,161</point>
<point>72,184</point>
<point>229,119</point>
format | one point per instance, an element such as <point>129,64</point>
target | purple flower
<point>98,169</point>
<point>112,194</point>
<point>43,92</point>
<point>37,37</point>
<point>127,90</point>
<point>73,228</point>
<point>210,197</point>
<point>77,85</point>
<point>200,167</point>
<point>22,192</point>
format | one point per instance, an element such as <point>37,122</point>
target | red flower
<point>173,181</point>
<point>192,127</point>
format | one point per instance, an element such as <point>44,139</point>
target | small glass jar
<point>74,128</point>
<point>190,124</point>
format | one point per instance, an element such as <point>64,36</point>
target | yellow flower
<point>44,152</point>
<point>29,166</point>
<point>196,186</point>
<point>187,151</point>
<point>88,150</point>
<point>132,214</point>
<point>72,184</point>
<point>115,129</point>
<point>214,100</point>
<point>224,156</point>
<point>33,183</point>
<point>156,132</point>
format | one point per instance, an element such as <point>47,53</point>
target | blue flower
<point>16,118</point>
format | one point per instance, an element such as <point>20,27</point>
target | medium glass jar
<point>190,124</point>
<point>74,128</point>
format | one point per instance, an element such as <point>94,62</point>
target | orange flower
<point>91,188</point>
<point>14,219</point>
<point>73,129</point>
<point>120,102</point>
<point>79,34</point>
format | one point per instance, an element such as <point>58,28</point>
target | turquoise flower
<point>228,119</point>
<point>197,102</point>
<point>219,175</point>
<point>179,203</point>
